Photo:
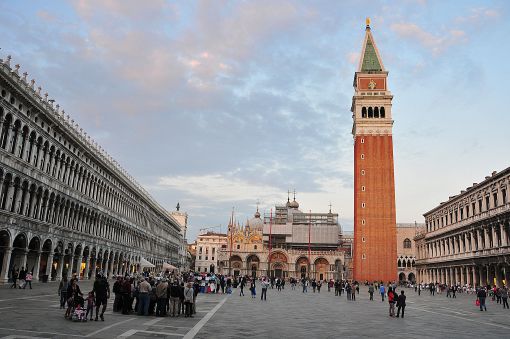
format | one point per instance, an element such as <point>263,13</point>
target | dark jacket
<point>401,301</point>
<point>481,293</point>
<point>175,291</point>
<point>70,291</point>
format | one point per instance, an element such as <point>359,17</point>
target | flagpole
<point>270,241</point>
<point>309,237</point>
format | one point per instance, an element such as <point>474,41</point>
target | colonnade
<point>472,274</point>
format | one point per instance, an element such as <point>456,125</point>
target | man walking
<point>382,290</point>
<point>401,304</point>
<point>481,294</point>
<point>371,291</point>
<point>504,297</point>
<point>101,290</point>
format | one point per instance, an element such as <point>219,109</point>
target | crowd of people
<point>174,294</point>
<point>21,278</point>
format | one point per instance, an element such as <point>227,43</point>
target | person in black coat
<point>401,303</point>
<point>74,296</point>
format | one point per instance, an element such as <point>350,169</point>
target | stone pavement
<point>287,314</point>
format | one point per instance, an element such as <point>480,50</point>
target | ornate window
<point>407,243</point>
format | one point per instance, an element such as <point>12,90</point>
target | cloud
<point>436,44</point>
<point>478,16</point>
<point>219,187</point>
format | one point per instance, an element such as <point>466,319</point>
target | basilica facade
<point>66,207</point>
<point>285,243</point>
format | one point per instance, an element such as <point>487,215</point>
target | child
<point>90,305</point>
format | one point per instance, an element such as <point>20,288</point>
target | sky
<point>223,104</point>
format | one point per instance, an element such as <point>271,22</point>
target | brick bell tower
<point>375,237</point>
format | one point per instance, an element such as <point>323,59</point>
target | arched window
<point>382,113</point>
<point>370,112</point>
<point>407,243</point>
<point>376,112</point>
<point>399,263</point>
<point>364,112</point>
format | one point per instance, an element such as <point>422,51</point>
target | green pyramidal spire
<point>370,60</point>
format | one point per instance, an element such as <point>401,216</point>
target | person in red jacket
<point>391,301</point>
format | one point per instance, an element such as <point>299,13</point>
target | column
<point>37,265</point>
<point>497,275</point>
<point>4,275</point>
<point>94,267</point>
<point>49,265</point>
<point>9,198</point>
<point>504,239</point>
<point>60,267</point>
<point>490,277</point>
<point>475,280</point>
<point>87,267</point>
<point>71,263</point>
<point>486,236</point>
<point>462,268</point>
<point>468,275</point>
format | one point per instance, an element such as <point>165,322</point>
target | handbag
<point>477,302</point>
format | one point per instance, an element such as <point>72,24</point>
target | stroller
<point>78,312</point>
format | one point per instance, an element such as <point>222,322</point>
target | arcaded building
<point>208,247</point>
<point>467,237</point>
<point>375,246</point>
<point>65,205</point>
<point>406,250</point>
<point>286,243</point>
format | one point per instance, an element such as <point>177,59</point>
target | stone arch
<point>303,267</point>
<point>253,265</point>
<point>402,276</point>
<point>34,247</point>
<point>411,277</point>
<point>321,265</point>
<point>46,259</point>
<point>19,251</point>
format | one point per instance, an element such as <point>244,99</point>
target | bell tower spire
<point>375,246</point>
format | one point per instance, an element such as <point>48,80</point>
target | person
<point>348,291</point>
<point>391,301</point>
<point>14,276</point>
<point>196,288</point>
<point>242,282</point>
<point>117,302</point>
<point>371,292</point>
<point>90,305</point>
<point>22,276</point>
<point>319,285</point>
<point>314,285</point>
<point>161,294</point>
<point>62,291</point>
<point>454,291</point>
<point>382,290</point>
<point>481,295</point>
<point>28,280</point>
<point>188,300</point>
<point>419,289</point>
<point>449,291</point>
<point>265,285</point>
<point>125,291</point>
<point>252,288</point>
<point>353,291</point>
<point>101,290</point>
<point>401,303</point>
<point>174,298</point>
<point>73,292</point>
<point>504,297</point>
<point>143,297</point>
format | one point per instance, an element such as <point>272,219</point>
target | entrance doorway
<point>303,271</point>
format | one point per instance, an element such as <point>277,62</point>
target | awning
<point>145,263</point>
<point>167,266</point>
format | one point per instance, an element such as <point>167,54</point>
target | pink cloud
<point>436,44</point>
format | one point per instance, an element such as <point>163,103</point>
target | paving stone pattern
<point>286,314</point>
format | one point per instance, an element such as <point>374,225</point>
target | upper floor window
<point>495,196</point>
<point>503,194</point>
<point>407,243</point>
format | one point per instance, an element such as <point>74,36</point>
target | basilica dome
<point>256,223</point>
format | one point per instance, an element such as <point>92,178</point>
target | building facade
<point>184,256</point>
<point>207,251</point>
<point>406,250</point>
<point>65,205</point>
<point>288,243</point>
<point>467,238</point>
<point>374,188</point>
